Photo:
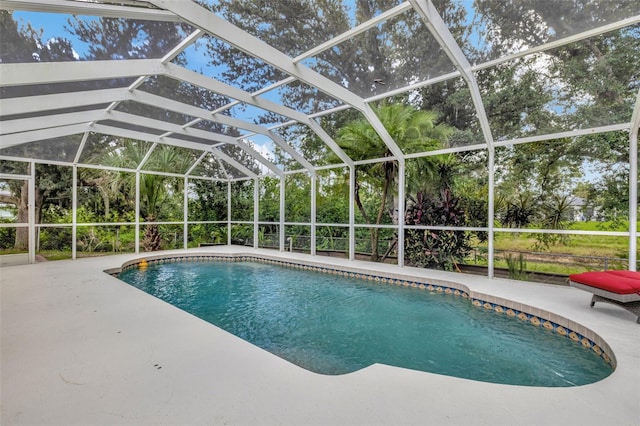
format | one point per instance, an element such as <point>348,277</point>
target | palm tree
<point>153,188</point>
<point>413,131</point>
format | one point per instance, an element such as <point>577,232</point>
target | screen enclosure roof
<point>230,83</point>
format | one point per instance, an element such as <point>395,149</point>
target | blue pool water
<point>335,325</point>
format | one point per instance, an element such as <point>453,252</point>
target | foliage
<point>241,234</point>
<point>156,191</point>
<point>519,211</point>
<point>435,249</point>
<point>269,202</point>
<point>517,267</point>
<point>242,200</point>
<point>556,215</point>
<point>297,198</point>
<point>590,82</point>
<point>207,200</point>
<point>413,131</point>
<point>219,235</point>
<point>7,235</point>
<point>52,195</point>
<point>542,184</point>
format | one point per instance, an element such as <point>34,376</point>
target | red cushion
<point>628,274</point>
<point>613,282</point>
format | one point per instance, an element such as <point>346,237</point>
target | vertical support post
<point>256,212</point>
<point>491,209</point>
<point>185,214</point>
<point>352,212</point>
<point>74,198</point>
<point>140,166</point>
<point>74,212</point>
<point>229,212</point>
<point>282,207</point>
<point>401,201</point>
<point>314,181</point>
<point>137,240</point>
<point>32,214</point>
<point>633,186</point>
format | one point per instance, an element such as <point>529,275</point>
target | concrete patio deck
<point>80,347</point>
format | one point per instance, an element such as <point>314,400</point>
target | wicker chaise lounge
<point>620,288</point>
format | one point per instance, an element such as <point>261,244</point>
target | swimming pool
<point>334,324</point>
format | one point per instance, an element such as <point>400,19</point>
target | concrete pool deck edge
<point>81,347</point>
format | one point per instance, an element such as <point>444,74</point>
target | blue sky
<point>52,25</point>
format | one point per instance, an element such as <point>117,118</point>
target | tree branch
<point>9,199</point>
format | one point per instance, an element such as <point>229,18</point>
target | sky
<point>52,25</point>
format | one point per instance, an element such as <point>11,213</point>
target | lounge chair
<point>620,288</point>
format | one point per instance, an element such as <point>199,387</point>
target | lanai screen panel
<point>305,142</point>
<point>301,97</point>
<point>95,38</point>
<point>62,148</point>
<point>588,83</point>
<point>395,53</point>
<point>454,105</point>
<point>369,58</point>
<point>255,115</point>
<point>296,27</point>
<point>217,59</point>
<point>183,92</point>
<point>495,29</point>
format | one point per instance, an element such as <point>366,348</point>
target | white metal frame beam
<point>61,125</point>
<point>214,25</point>
<point>72,71</point>
<point>30,73</point>
<point>47,121</point>
<point>58,101</point>
<point>42,134</point>
<point>20,74</point>
<point>18,126</point>
<point>445,39</point>
<point>124,133</point>
<point>33,104</point>
<point>154,100</point>
<point>241,96</point>
<point>91,9</point>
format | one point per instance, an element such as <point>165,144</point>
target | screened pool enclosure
<point>473,136</point>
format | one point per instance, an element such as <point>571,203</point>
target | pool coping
<point>80,346</point>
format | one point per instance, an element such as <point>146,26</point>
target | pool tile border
<point>525,313</point>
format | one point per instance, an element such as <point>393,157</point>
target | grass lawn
<point>567,255</point>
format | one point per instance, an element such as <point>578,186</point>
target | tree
<point>153,188</point>
<point>412,130</point>
<point>393,52</point>
<point>593,81</point>
<point>25,45</point>
<point>52,186</point>
<point>117,38</point>
<point>528,176</point>
<point>16,45</point>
